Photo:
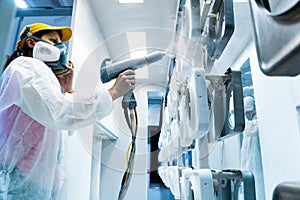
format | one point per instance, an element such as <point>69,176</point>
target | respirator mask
<point>56,57</point>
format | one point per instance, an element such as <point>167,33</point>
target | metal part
<point>217,81</point>
<point>287,191</point>
<point>221,184</point>
<point>204,12</point>
<point>200,181</point>
<point>195,31</point>
<point>191,33</point>
<point>249,185</point>
<point>225,95</point>
<point>277,32</point>
<point>220,27</point>
<point>228,182</point>
<point>216,98</point>
<point>235,118</point>
<point>278,7</point>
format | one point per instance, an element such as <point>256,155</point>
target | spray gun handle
<point>128,100</point>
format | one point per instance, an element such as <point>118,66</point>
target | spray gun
<point>111,71</point>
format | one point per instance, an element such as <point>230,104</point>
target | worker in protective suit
<point>250,151</point>
<point>37,101</point>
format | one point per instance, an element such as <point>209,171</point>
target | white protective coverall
<point>250,151</point>
<point>33,110</point>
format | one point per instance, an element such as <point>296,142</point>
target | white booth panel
<point>278,127</point>
<point>86,38</point>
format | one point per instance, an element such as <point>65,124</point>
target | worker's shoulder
<point>24,63</point>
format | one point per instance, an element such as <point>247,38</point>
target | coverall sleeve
<point>41,98</point>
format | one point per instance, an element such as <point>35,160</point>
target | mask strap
<point>25,32</point>
<point>34,37</point>
<point>29,35</point>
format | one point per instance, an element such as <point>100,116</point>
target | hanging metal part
<point>235,118</point>
<point>225,96</point>
<point>287,191</point>
<point>195,31</point>
<point>216,99</point>
<point>204,13</point>
<point>276,32</point>
<point>187,38</point>
<point>220,21</point>
<point>228,182</point>
<point>278,7</point>
<point>217,184</point>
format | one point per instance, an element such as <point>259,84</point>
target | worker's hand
<point>124,83</point>
<point>66,80</point>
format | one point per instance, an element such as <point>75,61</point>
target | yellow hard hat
<point>36,27</point>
